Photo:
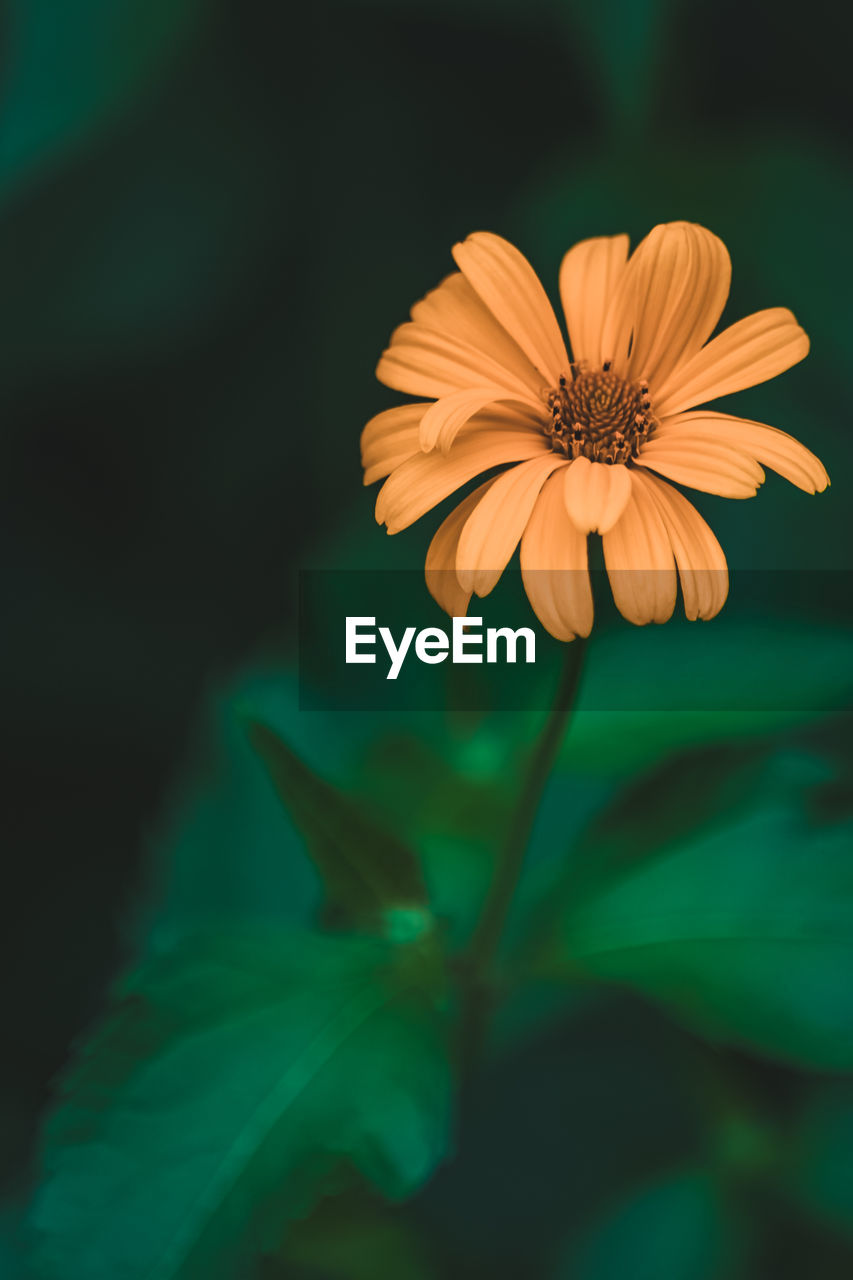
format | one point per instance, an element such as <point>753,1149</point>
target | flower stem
<point>496,907</point>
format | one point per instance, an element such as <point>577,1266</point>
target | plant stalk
<point>498,901</point>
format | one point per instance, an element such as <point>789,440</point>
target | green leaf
<point>223,847</point>
<point>70,69</point>
<point>369,874</point>
<point>648,692</point>
<point>734,909</point>
<point>673,1229</point>
<point>233,1076</point>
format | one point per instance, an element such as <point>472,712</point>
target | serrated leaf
<point>366,869</point>
<point>233,1076</point>
<point>739,920</point>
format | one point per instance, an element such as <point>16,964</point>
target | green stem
<point>496,906</point>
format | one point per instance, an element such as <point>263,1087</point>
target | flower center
<point>598,414</point>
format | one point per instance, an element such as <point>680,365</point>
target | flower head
<point>582,442</point>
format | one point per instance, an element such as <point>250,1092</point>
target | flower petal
<point>389,438</point>
<point>589,274</point>
<point>440,568</point>
<point>554,566</point>
<point>669,299</point>
<point>454,310</point>
<point>710,465</point>
<point>494,528</point>
<point>422,362</point>
<point>639,559</point>
<point>767,445</point>
<point>596,494</point>
<point>694,307</point>
<point>428,478</point>
<point>510,288</point>
<point>756,348</point>
<point>443,419</point>
<point>700,559</point>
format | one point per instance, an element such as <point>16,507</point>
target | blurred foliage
<point>371,878</point>
<point>352,1237</point>
<point>211,216</point>
<point>822,1157</point>
<point>716,883</point>
<point>53,102</point>
<point>711,887</point>
<point>233,1074</point>
<point>674,1228</point>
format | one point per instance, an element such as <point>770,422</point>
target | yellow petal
<point>754,349</point>
<point>653,275</point>
<point>440,569</point>
<point>700,559</point>
<point>442,420</point>
<point>669,299</point>
<point>510,288</point>
<point>692,309</point>
<point>389,438</point>
<point>766,445</point>
<point>596,494</point>
<point>454,310</point>
<point>589,274</point>
<point>658,269</point>
<point>639,560</point>
<point>554,566</point>
<point>709,465</point>
<point>494,528</point>
<point>428,478</point>
<point>421,362</point>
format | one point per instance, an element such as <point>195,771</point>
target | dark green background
<point>211,216</point>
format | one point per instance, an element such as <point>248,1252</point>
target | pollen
<point>598,415</point>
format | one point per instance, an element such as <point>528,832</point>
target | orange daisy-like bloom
<point>578,439</point>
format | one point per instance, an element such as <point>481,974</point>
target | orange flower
<point>578,439</point>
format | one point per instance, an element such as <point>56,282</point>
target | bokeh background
<point>211,216</point>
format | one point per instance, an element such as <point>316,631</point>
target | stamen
<point>599,415</point>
